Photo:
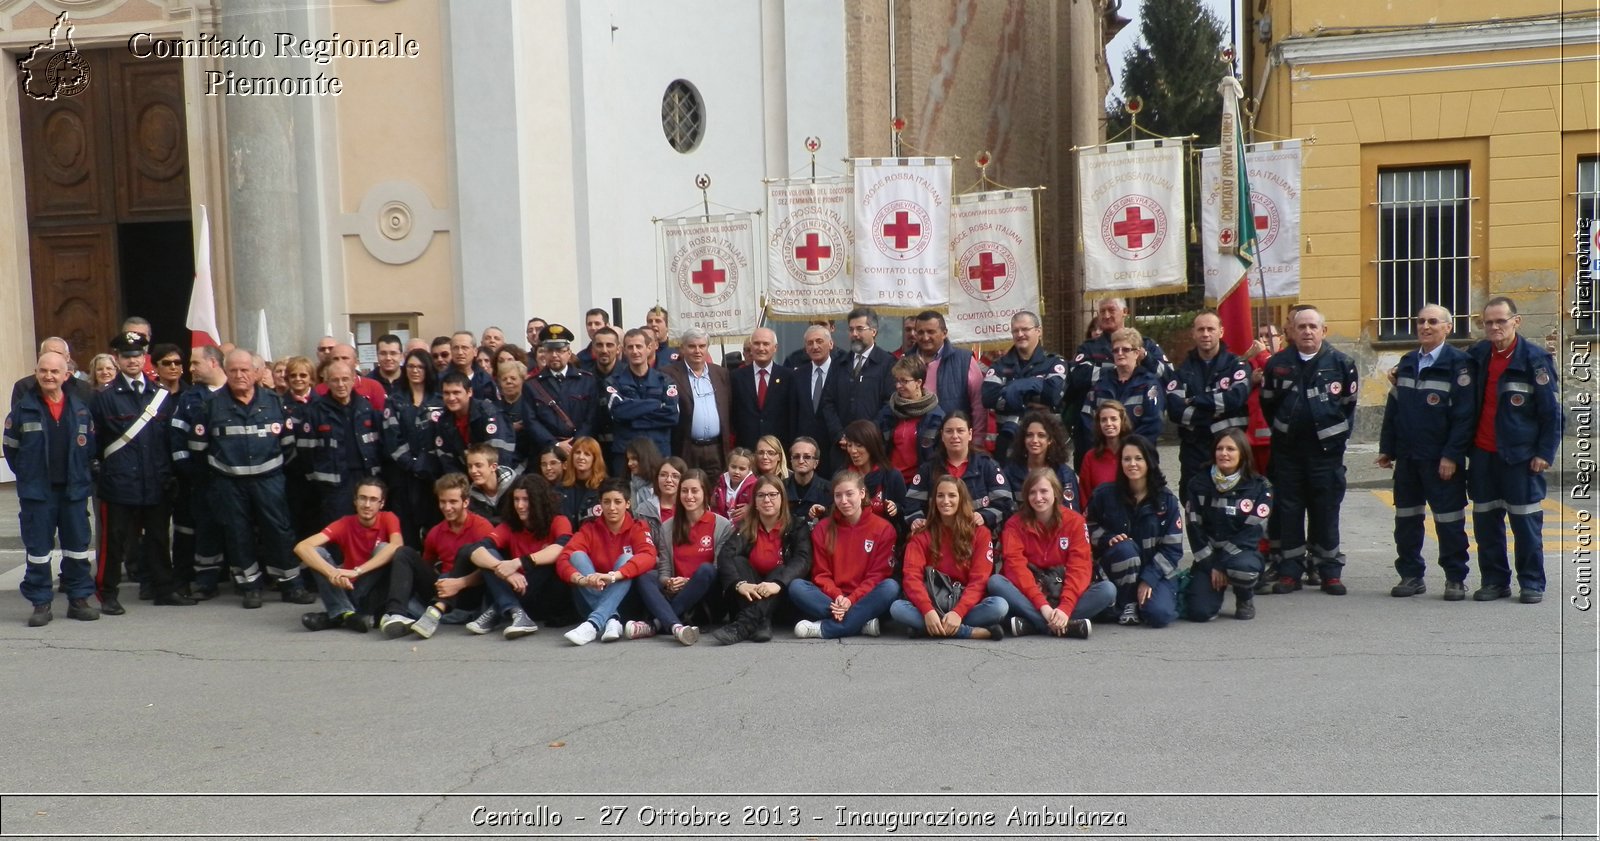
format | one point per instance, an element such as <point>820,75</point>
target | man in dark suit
<point>764,402</point>
<point>868,385</point>
<point>819,384</point>
<point>705,398</point>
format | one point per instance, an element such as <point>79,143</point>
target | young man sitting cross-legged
<point>436,576</point>
<point>350,556</point>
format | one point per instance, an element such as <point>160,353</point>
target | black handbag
<point>943,590</point>
<point>1050,581</point>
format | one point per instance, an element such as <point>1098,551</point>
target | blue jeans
<point>814,604</point>
<point>339,602</point>
<point>42,521</point>
<point>987,612</point>
<point>1090,603</point>
<point>602,605</point>
<point>667,611</point>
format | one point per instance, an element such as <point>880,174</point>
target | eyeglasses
<point>1429,322</point>
<point>802,457</point>
<point>1497,322</point>
<point>445,354</point>
<point>768,495</point>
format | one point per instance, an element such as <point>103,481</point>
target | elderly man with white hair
<point>705,400</point>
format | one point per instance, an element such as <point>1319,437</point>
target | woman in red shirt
<point>686,563</point>
<point>768,551</point>
<point>952,551</point>
<point>910,421</point>
<point>1100,465</point>
<point>602,560</point>
<point>1049,570</point>
<point>852,557</point>
<point>519,557</point>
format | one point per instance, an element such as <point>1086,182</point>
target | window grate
<point>1586,314</point>
<point>682,116</point>
<point>1424,246</point>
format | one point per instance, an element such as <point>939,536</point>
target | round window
<point>683,116</point>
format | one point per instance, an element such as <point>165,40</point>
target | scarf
<point>1224,483</point>
<point>907,409</point>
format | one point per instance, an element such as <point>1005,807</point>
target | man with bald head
<point>48,444</point>
<point>244,436</point>
<point>75,386</point>
<point>340,435</point>
<point>764,401</point>
<point>1428,423</point>
<point>367,387</point>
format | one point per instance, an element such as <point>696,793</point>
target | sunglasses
<point>170,362</point>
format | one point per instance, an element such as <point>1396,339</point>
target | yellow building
<point>1452,152</point>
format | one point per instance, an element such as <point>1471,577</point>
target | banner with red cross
<point>902,219</point>
<point>810,240</point>
<point>711,270</point>
<point>996,265</point>
<point>1274,170</point>
<point>1130,203</point>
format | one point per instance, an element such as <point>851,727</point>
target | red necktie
<point>761,389</point>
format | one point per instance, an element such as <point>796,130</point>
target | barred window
<point>1424,246</point>
<point>1586,318</point>
<point>683,116</point>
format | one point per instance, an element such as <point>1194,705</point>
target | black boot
<point>1244,603</point>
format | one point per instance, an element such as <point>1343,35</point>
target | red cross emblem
<point>1133,227</point>
<point>986,271</point>
<point>901,230</point>
<point>814,251</point>
<point>708,276</point>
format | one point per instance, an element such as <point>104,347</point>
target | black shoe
<point>41,616</point>
<point>354,622</point>
<point>252,598</point>
<point>147,592</point>
<point>1244,603</point>
<point>317,621</point>
<point>202,594</point>
<point>731,633</point>
<point>1409,587</point>
<point>1455,591</point>
<point>762,632</point>
<point>109,604</point>
<point>1079,629</point>
<point>1286,585</point>
<point>175,599</point>
<point>996,632</point>
<point>1334,587</point>
<point>1313,577</point>
<point>1531,596</point>
<point>297,595</point>
<point>1490,592</point>
<point>81,610</point>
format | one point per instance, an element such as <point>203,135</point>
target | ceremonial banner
<point>1274,171</point>
<point>809,247</point>
<point>1130,201</point>
<point>711,277</point>
<point>902,232</point>
<point>996,265</point>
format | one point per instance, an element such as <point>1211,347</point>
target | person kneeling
<point>948,564</point>
<point>852,557</point>
<point>520,556</point>
<point>1048,580</point>
<point>1228,509</point>
<point>601,562</point>
<point>364,543</point>
<point>438,575</point>
<point>1136,529</point>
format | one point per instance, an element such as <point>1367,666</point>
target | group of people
<point>642,489</point>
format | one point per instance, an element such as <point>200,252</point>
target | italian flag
<point>202,319</point>
<point>1236,229</point>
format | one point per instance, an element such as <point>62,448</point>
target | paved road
<point>1361,714</point>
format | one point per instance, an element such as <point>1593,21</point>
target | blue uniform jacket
<point>1156,525</point>
<point>447,453</point>
<point>565,405</point>
<point>1071,492</point>
<point>1527,419</point>
<point>986,484</point>
<point>243,440</point>
<point>1432,414</point>
<point>1227,523</point>
<point>411,430</point>
<point>184,415</point>
<point>323,434</point>
<point>641,407</point>
<point>1143,395</point>
<point>137,471</point>
<point>1311,400</point>
<point>1093,362</point>
<point>27,449</point>
<point>1206,399</point>
<point>1012,386</point>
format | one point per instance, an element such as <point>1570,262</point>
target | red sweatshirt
<point>605,548</point>
<point>1099,466</point>
<point>1067,546</point>
<point>981,566</point>
<point>514,543</point>
<point>861,557</point>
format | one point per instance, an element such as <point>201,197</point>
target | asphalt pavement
<point>1325,716</point>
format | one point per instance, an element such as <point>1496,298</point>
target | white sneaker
<point>584,634</point>
<point>394,626</point>
<point>613,630</point>
<point>870,629</point>
<point>686,634</point>
<point>1020,626</point>
<point>636,630</point>
<point>806,629</point>
<point>429,623</point>
<point>487,621</point>
<point>521,625</point>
